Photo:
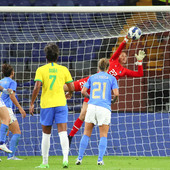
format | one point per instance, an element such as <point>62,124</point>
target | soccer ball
<point>134,33</point>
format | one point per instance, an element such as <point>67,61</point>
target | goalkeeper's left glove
<point>140,57</point>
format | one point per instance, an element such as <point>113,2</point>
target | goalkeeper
<point>116,69</point>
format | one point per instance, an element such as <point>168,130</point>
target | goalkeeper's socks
<point>77,125</point>
<point>102,148</point>
<point>64,145</point>
<point>13,144</point>
<point>83,145</point>
<point>3,133</point>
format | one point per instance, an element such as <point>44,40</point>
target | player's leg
<point>46,120</point>
<point>89,124</point>
<point>78,123</point>
<point>62,132</point>
<point>5,118</point>
<point>14,128</point>
<point>84,141</point>
<point>61,119</point>
<point>45,144</point>
<point>103,118</point>
<point>103,143</point>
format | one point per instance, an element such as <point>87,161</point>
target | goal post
<point>141,117</point>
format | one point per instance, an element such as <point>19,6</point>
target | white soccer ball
<point>134,33</point>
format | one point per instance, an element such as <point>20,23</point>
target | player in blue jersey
<point>7,82</point>
<point>101,86</point>
<point>5,119</point>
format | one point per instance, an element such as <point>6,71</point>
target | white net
<point>140,120</point>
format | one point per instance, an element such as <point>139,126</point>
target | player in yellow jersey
<point>52,77</point>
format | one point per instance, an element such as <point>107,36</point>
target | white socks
<point>64,144</point>
<point>45,146</point>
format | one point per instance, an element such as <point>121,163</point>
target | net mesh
<point>140,120</point>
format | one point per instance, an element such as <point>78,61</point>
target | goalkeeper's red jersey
<point>115,69</point>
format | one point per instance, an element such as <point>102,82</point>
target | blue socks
<point>3,133</point>
<point>83,145</point>
<point>13,144</point>
<point>102,148</point>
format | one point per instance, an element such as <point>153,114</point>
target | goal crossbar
<point>91,9</point>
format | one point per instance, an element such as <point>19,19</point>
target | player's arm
<point>66,88</point>
<point>36,90</point>
<point>84,92</point>
<point>6,91</point>
<point>78,85</point>
<point>116,95</point>
<point>86,86</point>
<point>70,87</point>
<point>16,103</point>
<point>119,50</point>
<point>138,73</point>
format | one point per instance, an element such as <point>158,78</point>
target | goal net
<point>140,124</point>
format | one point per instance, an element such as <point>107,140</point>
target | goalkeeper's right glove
<point>126,39</point>
<point>140,57</point>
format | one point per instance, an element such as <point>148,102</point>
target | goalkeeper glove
<point>140,57</point>
<point>126,39</point>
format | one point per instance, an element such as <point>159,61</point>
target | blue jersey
<point>101,85</point>
<point>8,83</point>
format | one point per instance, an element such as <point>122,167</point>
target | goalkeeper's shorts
<point>54,114</point>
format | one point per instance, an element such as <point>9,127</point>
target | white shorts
<point>98,115</point>
<point>12,115</point>
<point>2,104</point>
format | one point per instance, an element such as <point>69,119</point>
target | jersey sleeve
<point>87,84</point>
<point>114,83</point>
<point>13,85</point>
<point>38,75</point>
<point>131,73</point>
<point>118,51</point>
<point>68,77</point>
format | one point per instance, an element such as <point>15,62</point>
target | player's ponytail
<point>103,64</point>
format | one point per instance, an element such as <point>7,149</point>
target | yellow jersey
<point>53,78</point>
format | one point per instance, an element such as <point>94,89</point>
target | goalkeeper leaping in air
<point>116,69</point>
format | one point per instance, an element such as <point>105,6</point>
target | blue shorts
<point>54,114</point>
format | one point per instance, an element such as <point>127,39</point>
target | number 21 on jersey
<point>98,89</point>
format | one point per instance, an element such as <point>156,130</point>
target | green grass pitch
<point>90,163</point>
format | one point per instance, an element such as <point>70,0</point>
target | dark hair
<point>103,64</point>
<point>52,52</point>
<point>7,70</point>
